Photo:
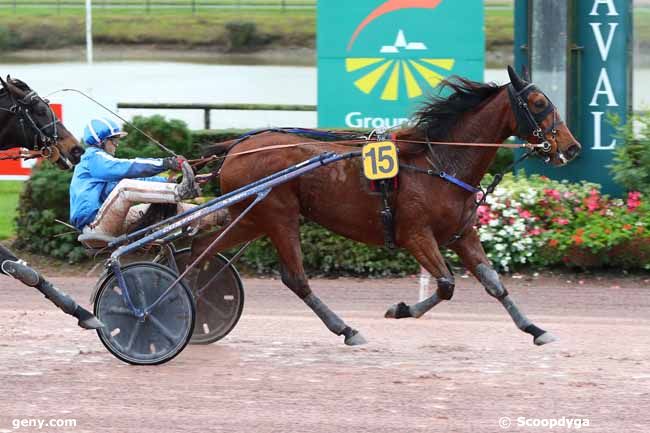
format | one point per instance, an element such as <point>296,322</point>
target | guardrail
<point>207,108</point>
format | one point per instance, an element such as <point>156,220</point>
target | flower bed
<point>534,220</point>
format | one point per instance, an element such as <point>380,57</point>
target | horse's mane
<point>439,114</point>
<point>18,83</point>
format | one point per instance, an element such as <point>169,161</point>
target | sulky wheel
<point>220,304</point>
<point>158,336</point>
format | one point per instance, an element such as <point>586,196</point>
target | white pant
<point>120,213</point>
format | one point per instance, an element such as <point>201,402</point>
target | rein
<point>208,159</point>
<point>21,154</point>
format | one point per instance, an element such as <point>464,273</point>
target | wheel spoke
<point>137,286</point>
<point>134,333</point>
<point>173,339</point>
<point>216,309</point>
<point>120,311</point>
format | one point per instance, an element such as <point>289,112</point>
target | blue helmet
<point>98,130</point>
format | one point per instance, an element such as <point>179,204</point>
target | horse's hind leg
<point>424,248</point>
<point>471,252</point>
<point>287,243</point>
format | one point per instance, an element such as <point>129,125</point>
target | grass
<point>38,29</point>
<point>47,27</point>
<point>9,195</point>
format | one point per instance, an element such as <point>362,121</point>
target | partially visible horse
<point>430,211</point>
<point>27,121</point>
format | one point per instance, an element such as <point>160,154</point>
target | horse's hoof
<point>355,339</point>
<point>398,311</point>
<point>545,338</point>
<point>391,312</point>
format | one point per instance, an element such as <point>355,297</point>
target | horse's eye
<point>540,103</point>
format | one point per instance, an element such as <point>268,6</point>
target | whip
<point>153,140</point>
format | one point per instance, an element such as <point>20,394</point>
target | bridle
<point>43,138</point>
<point>528,123</point>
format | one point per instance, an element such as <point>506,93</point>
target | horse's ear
<point>517,82</point>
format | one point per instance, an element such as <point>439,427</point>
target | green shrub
<point>44,199</point>
<point>631,166</point>
<point>244,36</point>
<point>173,134</point>
<point>504,158</point>
<point>8,39</point>
<point>325,253</point>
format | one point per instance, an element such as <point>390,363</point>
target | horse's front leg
<point>471,252</point>
<point>422,244</point>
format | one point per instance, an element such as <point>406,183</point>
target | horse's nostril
<point>573,151</point>
<point>75,154</point>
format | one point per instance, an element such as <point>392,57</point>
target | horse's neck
<point>492,122</point>
<point>8,136</point>
<point>8,139</point>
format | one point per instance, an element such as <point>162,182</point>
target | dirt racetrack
<point>459,369</point>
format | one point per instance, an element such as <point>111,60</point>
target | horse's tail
<point>218,149</point>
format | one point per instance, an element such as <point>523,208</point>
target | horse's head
<point>35,126</point>
<point>538,122</point>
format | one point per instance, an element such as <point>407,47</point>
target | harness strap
<point>458,182</point>
<point>444,176</point>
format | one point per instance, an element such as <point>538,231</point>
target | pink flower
<point>484,214</point>
<point>525,214</point>
<point>592,202</point>
<point>553,193</point>
<point>535,232</point>
<point>561,221</point>
<point>633,200</point>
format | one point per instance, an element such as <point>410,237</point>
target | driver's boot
<point>188,188</point>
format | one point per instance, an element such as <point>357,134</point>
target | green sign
<point>378,59</point>
<point>604,30</point>
<point>597,56</point>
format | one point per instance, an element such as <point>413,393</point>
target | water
<point>133,81</point>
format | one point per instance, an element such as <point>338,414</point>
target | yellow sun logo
<point>415,73</point>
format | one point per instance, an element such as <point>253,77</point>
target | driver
<point>104,190</point>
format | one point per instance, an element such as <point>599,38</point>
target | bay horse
<point>430,212</point>
<point>27,121</point>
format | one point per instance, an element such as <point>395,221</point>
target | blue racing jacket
<point>96,176</point>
